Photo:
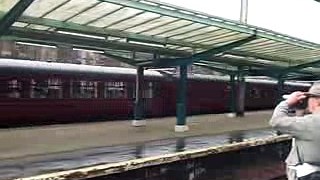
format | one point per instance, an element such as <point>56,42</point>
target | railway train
<point>34,92</point>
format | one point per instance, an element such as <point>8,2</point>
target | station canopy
<point>155,34</point>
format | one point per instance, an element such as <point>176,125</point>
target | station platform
<point>43,140</point>
<point>31,151</point>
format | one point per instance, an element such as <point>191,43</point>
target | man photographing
<point>303,162</point>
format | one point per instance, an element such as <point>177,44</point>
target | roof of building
<point>152,33</point>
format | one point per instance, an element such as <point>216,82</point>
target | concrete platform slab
<point>33,141</point>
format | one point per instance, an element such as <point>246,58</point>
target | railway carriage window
<point>89,89</point>
<point>227,91</point>
<point>14,88</point>
<point>76,89</point>
<point>148,90</point>
<point>115,90</point>
<point>228,88</point>
<point>84,89</point>
<point>39,89</point>
<point>130,87</point>
<point>54,88</point>
<point>156,89</point>
<point>265,94</point>
<point>255,93</point>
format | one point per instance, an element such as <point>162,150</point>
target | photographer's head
<point>312,97</point>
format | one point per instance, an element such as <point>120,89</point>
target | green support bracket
<point>314,77</point>
<point>197,57</point>
<point>216,50</point>
<point>138,108</point>
<point>270,72</point>
<point>262,71</point>
<point>301,66</point>
<point>220,70</point>
<point>243,62</point>
<point>181,96</point>
<point>279,72</point>
<point>10,17</point>
<point>166,62</point>
<point>258,56</point>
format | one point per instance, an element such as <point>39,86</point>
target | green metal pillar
<point>241,92</point>
<point>138,104</point>
<point>181,100</point>
<point>280,89</point>
<point>232,97</point>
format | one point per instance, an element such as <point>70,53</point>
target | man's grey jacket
<point>305,130</point>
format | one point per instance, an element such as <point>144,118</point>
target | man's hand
<point>295,97</point>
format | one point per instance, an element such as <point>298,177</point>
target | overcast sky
<point>297,18</point>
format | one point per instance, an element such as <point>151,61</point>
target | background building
<point>66,54</point>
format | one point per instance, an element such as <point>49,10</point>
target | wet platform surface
<point>36,150</point>
<point>111,154</point>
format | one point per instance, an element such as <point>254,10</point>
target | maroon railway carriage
<point>34,92</point>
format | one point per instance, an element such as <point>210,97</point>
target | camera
<point>302,104</point>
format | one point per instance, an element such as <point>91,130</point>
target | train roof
<point>14,66</point>
<point>28,66</point>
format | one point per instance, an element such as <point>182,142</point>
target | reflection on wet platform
<point>104,155</point>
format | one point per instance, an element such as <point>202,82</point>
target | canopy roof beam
<point>90,30</point>
<point>242,62</point>
<point>46,37</point>
<point>197,57</point>
<point>256,55</point>
<point>15,12</point>
<point>129,61</point>
<point>177,35</point>
<point>77,28</point>
<point>209,53</point>
<point>302,66</point>
<point>250,72</point>
<point>220,70</point>
<point>209,20</point>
